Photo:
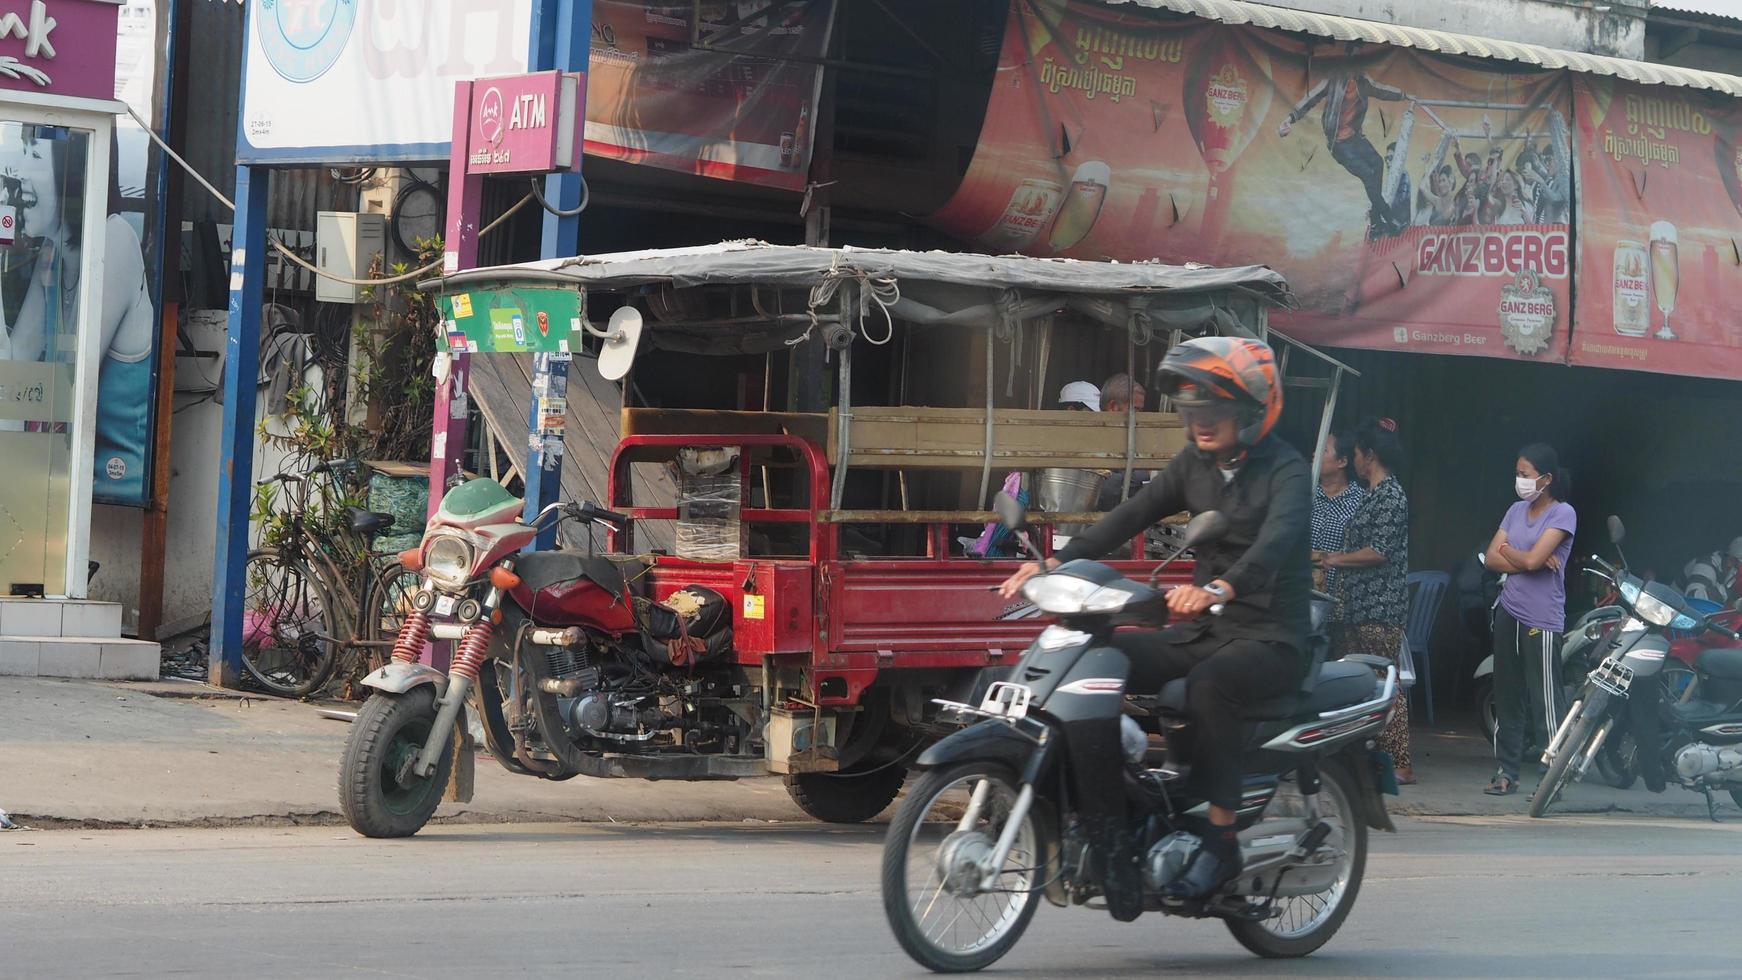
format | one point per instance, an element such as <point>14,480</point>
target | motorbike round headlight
<point>448,560</point>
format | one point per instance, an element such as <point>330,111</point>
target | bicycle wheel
<point>286,626</point>
<point>388,604</point>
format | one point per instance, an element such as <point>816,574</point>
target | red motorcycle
<point>574,672</point>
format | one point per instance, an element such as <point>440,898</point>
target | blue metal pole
<point>236,479</point>
<point>562,35</point>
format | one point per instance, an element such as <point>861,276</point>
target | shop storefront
<point>63,299</point>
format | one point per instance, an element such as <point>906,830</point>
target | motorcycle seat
<point>541,570</point>
<point>368,521</point>
<point>1724,662</point>
<point>1339,685</point>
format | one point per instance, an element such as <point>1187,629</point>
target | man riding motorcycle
<point>1229,395</point>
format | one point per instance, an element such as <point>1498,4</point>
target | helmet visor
<point>1209,413</point>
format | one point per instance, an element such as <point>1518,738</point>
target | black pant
<point>1360,158</point>
<point>1222,675</point>
<point>1527,688</point>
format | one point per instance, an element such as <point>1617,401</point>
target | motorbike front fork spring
<point>413,633</point>
<point>474,646</point>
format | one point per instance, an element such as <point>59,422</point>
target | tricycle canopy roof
<point>796,289</point>
<point>759,263</point>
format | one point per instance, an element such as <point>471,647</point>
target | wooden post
<point>154,525</point>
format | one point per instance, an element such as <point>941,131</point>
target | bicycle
<point>300,611</point>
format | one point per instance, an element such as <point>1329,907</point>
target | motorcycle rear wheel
<point>1306,922</point>
<point>1561,771</point>
<point>847,797</point>
<point>913,889</point>
<point>388,729</point>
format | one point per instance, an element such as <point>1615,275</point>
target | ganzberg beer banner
<point>1660,219</point>
<point>1415,202</point>
<point>739,104</point>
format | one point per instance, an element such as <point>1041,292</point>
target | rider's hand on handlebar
<point>1029,569</point>
<point>1191,601</point>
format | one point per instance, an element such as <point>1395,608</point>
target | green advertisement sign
<point>513,319</point>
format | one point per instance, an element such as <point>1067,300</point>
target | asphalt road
<point>1450,897</point>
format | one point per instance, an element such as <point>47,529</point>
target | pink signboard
<point>525,123</point>
<point>59,47</point>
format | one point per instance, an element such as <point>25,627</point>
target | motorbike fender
<point>990,740</point>
<point>1357,765</point>
<point>398,678</point>
<point>461,773</point>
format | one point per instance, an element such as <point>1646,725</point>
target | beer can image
<point>788,150</point>
<point>1631,290</point>
<point>1082,205</point>
<point>1030,211</point>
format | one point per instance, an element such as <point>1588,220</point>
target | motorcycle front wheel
<point>1580,728</point>
<point>932,894</point>
<point>378,793</point>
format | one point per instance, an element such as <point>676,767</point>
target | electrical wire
<point>289,253</point>
<point>586,197</point>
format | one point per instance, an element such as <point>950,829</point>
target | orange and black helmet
<point>1231,372</point>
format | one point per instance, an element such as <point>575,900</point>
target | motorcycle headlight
<point>1067,595</point>
<point>1057,638</point>
<point>1649,607</point>
<point>447,560</point>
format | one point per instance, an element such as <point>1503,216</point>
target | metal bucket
<point>1059,490</point>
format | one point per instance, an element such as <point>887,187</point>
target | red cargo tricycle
<point>799,595</point>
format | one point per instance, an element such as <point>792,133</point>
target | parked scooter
<point>1697,741</point>
<point>1050,791</point>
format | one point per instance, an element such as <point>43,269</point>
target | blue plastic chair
<point>1426,591</point>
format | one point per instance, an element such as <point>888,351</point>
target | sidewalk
<point>183,754</point>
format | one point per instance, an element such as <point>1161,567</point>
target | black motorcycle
<point>1696,740</point>
<point>1053,789</point>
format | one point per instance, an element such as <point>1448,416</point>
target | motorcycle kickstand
<point>1711,804</point>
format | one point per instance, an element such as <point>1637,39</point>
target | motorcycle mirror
<point>1204,528</point>
<point>1617,530</point>
<point>1010,511</point>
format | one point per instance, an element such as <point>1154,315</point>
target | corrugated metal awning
<point>1727,9</point>
<point>1444,42</point>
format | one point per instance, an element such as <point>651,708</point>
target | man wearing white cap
<point>1080,396</point>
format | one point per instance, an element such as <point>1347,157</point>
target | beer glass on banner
<point>1082,205</point>
<point>1665,272</point>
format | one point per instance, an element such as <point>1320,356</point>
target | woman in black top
<point>1372,593</point>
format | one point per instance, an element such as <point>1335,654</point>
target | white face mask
<point>1527,488</point>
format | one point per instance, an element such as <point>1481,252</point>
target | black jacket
<point>1265,555</point>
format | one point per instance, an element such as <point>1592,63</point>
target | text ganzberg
<point>1493,253</point>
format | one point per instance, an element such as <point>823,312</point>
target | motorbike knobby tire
<point>389,726</point>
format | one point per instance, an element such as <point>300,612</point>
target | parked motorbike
<point>1695,740</point>
<point>1051,789</point>
<point>575,672</point>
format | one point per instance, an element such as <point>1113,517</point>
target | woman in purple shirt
<point>1531,549</point>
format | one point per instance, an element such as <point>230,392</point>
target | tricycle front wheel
<point>378,793</point>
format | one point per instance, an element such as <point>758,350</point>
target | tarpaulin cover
<point>803,265</point>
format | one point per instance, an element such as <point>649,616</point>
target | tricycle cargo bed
<point>872,614</point>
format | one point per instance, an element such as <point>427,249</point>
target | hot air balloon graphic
<point>1227,96</point>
